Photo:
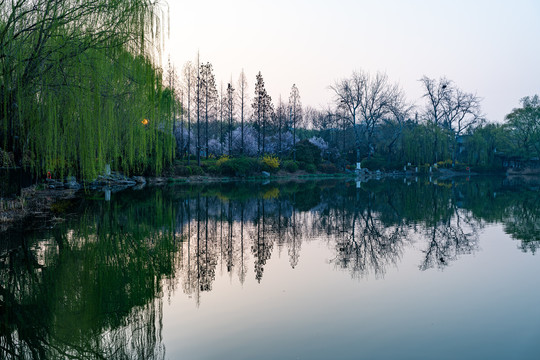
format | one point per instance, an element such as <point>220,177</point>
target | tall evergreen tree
<point>295,113</point>
<point>242,86</point>
<point>209,98</point>
<point>263,108</point>
<point>230,114</point>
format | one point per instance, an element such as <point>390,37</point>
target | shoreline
<point>36,202</point>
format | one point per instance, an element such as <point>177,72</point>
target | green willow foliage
<point>419,146</point>
<point>523,124</point>
<point>77,82</point>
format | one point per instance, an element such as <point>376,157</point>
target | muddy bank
<point>33,204</point>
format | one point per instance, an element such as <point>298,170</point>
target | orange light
<point>145,122</point>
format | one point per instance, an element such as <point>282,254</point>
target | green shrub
<point>196,170</point>
<point>290,166</point>
<point>181,170</point>
<point>240,167</point>
<point>460,166</point>
<point>311,168</point>
<point>301,165</point>
<point>328,168</point>
<point>214,170</point>
<point>223,159</point>
<point>380,163</point>
<point>487,168</point>
<point>445,164</point>
<point>308,153</point>
<point>205,164</point>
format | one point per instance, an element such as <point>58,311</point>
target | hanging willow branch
<point>77,78</point>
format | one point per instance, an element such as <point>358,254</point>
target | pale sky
<point>490,48</point>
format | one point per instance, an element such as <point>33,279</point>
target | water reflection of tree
<point>450,231</point>
<point>522,220</point>
<point>447,240</point>
<point>88,291</point>
<point>368,228</point>
<point>92,292</point>
<point>262,243</point>
<point>366,244</point>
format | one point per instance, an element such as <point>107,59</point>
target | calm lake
<point>329,269</point>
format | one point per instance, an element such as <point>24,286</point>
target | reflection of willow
<point>91,292</point>
<point>364,242</point>
<point>450,232</point>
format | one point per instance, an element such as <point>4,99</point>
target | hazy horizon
<point>485,47</point>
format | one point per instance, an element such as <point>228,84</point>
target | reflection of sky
<point>481,306</point>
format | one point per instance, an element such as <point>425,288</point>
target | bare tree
<point>450,108</point>
<point>229,105</point>
<point>295,114</point>
<point>242,87</point>
<point>188,81</point>
<point>263,108</point>
<point>379,100</point>
<point>436,93</point>
<point>349,93</point>
<point>280,116</point>
<point>209,94</point>
<point>198,102</point>
<point>221,103</point>
<point>172,80</point>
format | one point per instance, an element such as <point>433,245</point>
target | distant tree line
<point>370,121</point>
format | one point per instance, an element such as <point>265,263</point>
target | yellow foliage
<point>271,161</point>
<point>223,159</point>
<point>271,194</point>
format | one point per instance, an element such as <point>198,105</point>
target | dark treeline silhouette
<point>91,287</point>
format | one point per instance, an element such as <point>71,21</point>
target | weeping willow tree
<point>419,146</point>
<point>79,88</point>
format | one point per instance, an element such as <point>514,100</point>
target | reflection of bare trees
<point>365,243</point>
<point>295,242</point>
<point>449,238</point>
<point>369,230</point>
<point>262,243</point>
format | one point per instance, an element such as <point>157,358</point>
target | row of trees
<point>370,119</point>
<point>222,122</point>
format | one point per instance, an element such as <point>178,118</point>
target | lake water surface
<point>330,269</point>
